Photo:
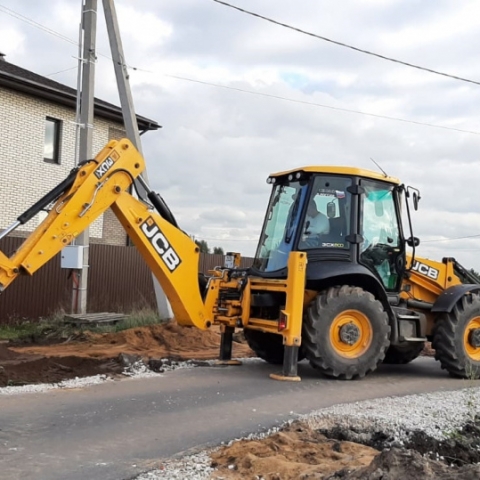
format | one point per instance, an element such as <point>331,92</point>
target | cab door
<point>382,249</point>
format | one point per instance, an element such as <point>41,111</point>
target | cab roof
<point>348,171</point>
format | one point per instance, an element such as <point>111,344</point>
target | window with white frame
<point>51,146</point>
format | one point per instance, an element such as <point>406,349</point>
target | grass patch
<point>21,329</point>
<point>137,318</point>
<point>53,328</point>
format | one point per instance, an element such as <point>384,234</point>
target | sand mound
<point>155,341</point>
<point>294,453</point>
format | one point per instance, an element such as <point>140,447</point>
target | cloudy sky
<point>218,145</point>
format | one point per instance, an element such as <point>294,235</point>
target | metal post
<point>226,340</point>
<point>130,120</point>
<point>89,25</point>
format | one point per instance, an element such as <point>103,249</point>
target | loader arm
<point>87,193</point>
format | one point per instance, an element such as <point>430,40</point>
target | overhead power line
<point>346,45</point>
<point>450,239</point>
<point>304,102</point>
<point>61,71</point>
<point>35,24</point>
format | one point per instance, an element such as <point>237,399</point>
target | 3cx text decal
<point>104,167</point>
<point>425,270</point>
<point>151,230</point>
<point>333,245</point>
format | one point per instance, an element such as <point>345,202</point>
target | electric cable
<point>346,45</point>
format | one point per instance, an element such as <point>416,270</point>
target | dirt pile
<point>168,340</point>
<point>300,452</point>
<point>296,452</point>
<point>398,464</point>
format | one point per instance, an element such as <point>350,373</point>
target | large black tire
<point>403,353</point>
<point>332,311</point>
<point>267,346</point>
<point>451,339</point>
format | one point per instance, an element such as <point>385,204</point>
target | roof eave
<point>63,98</point>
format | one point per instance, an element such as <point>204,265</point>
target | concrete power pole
<point>130,120</point>
<point>89,26</point>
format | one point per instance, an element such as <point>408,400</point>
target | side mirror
<point>413,242</point>
<point>416,199</point>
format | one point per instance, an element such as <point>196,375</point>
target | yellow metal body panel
<point>297,271</point>
<point>171,255</point>
<point>427,281</point>
<point>351,171</point>
<point>238,312</point>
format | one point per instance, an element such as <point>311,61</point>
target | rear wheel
<point>345,332</point>
<point>267,346</point>
<point>403,353</point>
<point>456,338</point>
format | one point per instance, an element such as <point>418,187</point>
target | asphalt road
<point>116,430</point>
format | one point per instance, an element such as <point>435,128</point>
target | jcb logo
<point>160,244</point>
<point>425,270</point>
<point>104,167</point>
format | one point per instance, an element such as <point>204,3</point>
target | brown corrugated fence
<point>118,281</point>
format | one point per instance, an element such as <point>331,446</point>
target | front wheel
<point>456,338</point>
<point>345,332</point>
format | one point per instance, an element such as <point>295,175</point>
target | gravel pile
<point>437,414</point>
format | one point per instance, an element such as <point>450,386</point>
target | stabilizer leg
<point>290,364</point>
<point>226,341</point>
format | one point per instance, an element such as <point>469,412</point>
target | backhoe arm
<point>87,193</point>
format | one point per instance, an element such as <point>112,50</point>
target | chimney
<point>2,57</point>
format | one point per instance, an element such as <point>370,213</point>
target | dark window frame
<point>57,135</point>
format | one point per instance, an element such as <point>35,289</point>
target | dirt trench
<point>95,353</point>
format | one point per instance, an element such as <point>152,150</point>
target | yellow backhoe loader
<point>331,280</point>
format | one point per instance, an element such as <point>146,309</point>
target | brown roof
<point>22,80</point>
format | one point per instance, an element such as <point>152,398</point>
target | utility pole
<point>130,121</point>
<point>88,58</point>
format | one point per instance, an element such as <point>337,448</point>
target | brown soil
<point>294,453</point>
<point>300,453</point>
<point>102,353</point>
<point>428,351</point>
<point>21,369</point>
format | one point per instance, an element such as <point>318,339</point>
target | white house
<point>37,143</point>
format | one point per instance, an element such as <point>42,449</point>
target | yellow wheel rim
<point>351,334</point>
<point>472,352</point>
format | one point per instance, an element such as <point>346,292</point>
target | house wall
<point>25,177</point>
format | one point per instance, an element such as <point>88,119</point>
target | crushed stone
<point>437,414</point>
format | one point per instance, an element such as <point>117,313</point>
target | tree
<point>203,246</point>
<point>475,273</point>
<point>218,251</point>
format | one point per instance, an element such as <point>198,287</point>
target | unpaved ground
<point>300,452</point>
<point>97,353</point>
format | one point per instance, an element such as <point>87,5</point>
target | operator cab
<point>337,215</point>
